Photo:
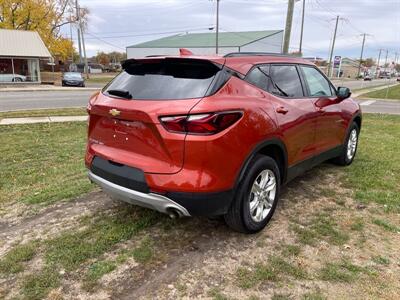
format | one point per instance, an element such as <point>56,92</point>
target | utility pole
<point>332,48</point>
<point>72,42</point>
<point>79,31</point>
<point>302,28</point>
<point>288,27</point>
<point>361,55</point>
<point>377,63</point>
<point>217,29</point>
<point>86,68</point>
<point>387,52</point>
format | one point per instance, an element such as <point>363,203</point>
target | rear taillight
<point>91,102</point>
<point>203,124</point>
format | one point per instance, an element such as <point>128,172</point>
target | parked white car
<point>12,78</point>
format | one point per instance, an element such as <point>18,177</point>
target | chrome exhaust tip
<point>174,213</point>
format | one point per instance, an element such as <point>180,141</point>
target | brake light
<point>91,102</point>
<point>202,124</point>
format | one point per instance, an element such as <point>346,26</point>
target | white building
<point>204,43</point>
<point>20,52</point>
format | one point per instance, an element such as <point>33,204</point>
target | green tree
<point>44,16</point>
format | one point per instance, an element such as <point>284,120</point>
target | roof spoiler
<point>128,64</point>
<point>185,52</point>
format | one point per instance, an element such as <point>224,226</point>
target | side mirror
<point>343,93</point>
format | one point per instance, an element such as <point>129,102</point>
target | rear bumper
<point>149,200</point>
<point>132,185</point>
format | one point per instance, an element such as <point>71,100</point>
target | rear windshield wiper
<point>120,93</point>
<point>273,83</point>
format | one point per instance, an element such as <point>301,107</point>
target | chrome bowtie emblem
<point>114,112</point>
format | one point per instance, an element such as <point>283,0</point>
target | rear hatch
<point>124,118</point>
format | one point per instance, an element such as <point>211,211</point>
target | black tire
<point>238,216</point>
<point>343,159</point>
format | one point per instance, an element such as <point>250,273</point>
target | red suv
<point>216,136</point>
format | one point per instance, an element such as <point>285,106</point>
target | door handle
<point>282,110</point>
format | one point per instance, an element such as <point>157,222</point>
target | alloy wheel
<point>352,144</point>
<point>262,195</point>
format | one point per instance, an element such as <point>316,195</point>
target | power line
<point>146,31</point>
<point>153,33</point>
<point>97,38</point>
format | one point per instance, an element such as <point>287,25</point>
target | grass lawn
<point>100,79</point>
<point>42,163</point>
<point>394,93</point>
<point>74,111</point>
<point>375,174</point>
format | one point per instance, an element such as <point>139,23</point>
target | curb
<point>57,89</point>
<point>34,120</point>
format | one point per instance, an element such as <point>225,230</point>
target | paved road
<point>74,98</point>
<point>361,84</point>
<point>43,99</point>
<point>380,106</point>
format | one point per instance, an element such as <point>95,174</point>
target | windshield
<point>165,79</point>
<point>73,75</point>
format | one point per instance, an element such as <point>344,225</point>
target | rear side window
<point>316,82</point>
<point>258,78</point>
<point>166,79</point>
<point>285,81</point>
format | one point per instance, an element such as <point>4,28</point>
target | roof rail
<point>239,54</point>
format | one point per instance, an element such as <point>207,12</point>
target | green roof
<point>198,40</point>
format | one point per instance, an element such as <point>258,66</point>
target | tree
<point>102,58</point>
<point>111,57</point>
<point>44,16</point>
<point>368,62</point>
<point>117,57</point>
<point>321,63</point>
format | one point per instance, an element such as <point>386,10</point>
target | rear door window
<point>318,85</point>
<point>258,77</point>
<point>166,79</point>
<point>285,81</point>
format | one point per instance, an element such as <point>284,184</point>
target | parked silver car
<point>12,78</point>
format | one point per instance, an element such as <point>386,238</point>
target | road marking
<point>369,102</point>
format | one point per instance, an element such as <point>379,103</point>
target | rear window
<point>166,79</point>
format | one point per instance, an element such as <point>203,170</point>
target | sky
<point>115,24</point>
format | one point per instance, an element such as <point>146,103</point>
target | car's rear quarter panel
<point>212,163</point>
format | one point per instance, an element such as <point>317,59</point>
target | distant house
<point>94,68</point>
<point>348,68</point>
<point>204,43</point>
<point>20,52</point>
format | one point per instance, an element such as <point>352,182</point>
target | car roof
<point>240,63</point>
